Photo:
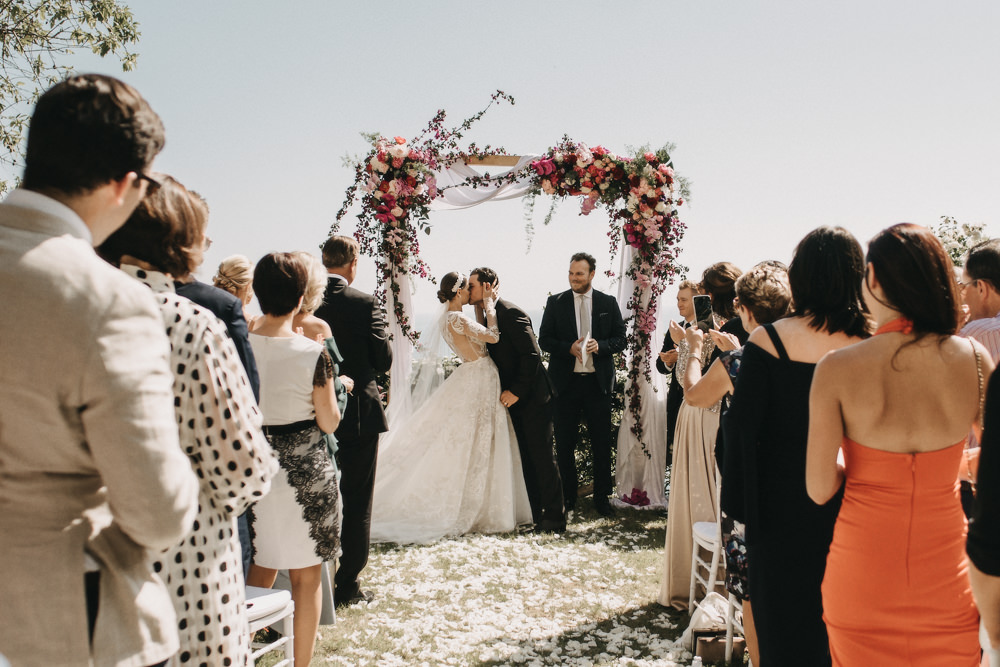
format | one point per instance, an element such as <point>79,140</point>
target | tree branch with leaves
<point>35,37</point>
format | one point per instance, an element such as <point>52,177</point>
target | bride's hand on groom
<point>348,383</point>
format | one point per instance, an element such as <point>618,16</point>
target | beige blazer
<point>89,459</point>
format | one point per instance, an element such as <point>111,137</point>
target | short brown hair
<point>163,230</point>
<point>279,281</point>
<point>87,131</point>
<point>691,285</point>
<point>765,292</point>
<point>339,251</point>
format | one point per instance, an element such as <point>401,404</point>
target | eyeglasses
<point>153,183</point>
<point>962,285</point>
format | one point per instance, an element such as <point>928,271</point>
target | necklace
<point>900,324</point>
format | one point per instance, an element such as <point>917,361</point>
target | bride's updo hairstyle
<point>450,284</point>
<point>916,277</point>
<point>234,275</point>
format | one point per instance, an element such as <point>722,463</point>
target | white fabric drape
<point>633,470</point>
<point>400,405</point>
<point>458,196</point>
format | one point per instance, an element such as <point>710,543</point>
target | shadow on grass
<point>603,640</point>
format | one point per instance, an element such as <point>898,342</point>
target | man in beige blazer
<point>91,475</point>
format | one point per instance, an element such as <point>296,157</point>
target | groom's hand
<point>508,399</point>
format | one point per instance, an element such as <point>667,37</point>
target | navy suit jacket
<point>229,309</point>
<point>558,333</point>
<point>358,327</point>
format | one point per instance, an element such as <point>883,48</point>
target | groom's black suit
<point>519,362</point>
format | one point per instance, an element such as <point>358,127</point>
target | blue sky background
<point>786,115</point>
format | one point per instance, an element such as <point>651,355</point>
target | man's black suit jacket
<point>558,333</point>
<point>229,309</point>
<point>358,327</point>
<point>517,356</point>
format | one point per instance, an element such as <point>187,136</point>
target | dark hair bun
<point>450,284</point>
<point>443,297</point>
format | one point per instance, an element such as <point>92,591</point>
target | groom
<point>527,394</point>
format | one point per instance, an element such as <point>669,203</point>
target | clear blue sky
<point>786,115</point>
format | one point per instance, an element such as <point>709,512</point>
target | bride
<point>452,467</point>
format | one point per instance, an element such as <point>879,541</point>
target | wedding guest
<point>358,326</point>
<point>312,327</point>
<point>92,472</point>
<point>297,525</point>
<point>693,480</point>
<point>980,292</point>
<point>762,296</point>
<point>528,396</point>
<point>719,282</point>
<point>583,377</point>
<point>788,535</point>
<point>665,362</point>
<point>899,406</point>
<point>983,545</point>
<point>235,275</point>
<point>219,426</point>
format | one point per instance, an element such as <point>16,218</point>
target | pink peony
<point>650,157</point>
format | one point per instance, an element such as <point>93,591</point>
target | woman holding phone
<point>692,472</point>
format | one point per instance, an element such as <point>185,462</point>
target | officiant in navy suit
<point>584,377</point>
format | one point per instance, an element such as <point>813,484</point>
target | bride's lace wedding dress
<point>453,467</point>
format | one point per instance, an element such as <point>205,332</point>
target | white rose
<point>396,212</point>
<point>399,151</point>
<point>661,207</point>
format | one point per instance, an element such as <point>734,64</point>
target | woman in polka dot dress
<point>219,429</point>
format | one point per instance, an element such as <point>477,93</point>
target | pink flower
<point>400,140</point>
<point>397,162</point>
<point>432,188</point>
<point>650,157</point>
<point>589,204</point>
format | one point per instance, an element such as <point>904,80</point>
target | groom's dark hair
<point>485,275</point>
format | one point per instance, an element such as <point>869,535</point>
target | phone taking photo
<point>703,312</point>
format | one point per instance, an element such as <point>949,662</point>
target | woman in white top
<point>453,467</point>
<point>297,526</point>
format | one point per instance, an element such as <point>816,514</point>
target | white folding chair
<point>266,607</point>
<point>733,622</point>
<point>707,536</point>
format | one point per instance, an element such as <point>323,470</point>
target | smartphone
<point>703,312</point>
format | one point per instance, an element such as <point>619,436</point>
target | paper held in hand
<point>584,355</point>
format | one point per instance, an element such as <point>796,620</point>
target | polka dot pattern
<point>219,425</point>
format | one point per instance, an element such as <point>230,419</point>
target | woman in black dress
<point>788,535</point>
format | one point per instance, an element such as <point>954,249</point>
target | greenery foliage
<point>958,238</point>
<point>35,35</point>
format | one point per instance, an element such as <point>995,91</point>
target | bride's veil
<point>426,376</point>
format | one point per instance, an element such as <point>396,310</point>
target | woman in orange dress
<point>900,404</point>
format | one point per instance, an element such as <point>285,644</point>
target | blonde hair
<point>316,286</point>
<point>235,275</point>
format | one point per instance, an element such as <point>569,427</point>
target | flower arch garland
<point>641,193</point>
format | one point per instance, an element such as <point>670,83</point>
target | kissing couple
<point>475,454</point>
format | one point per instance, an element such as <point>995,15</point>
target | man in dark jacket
<point>581,330</point>
<point>358,327</point>
<point>527,394</point>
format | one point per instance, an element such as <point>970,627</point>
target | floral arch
<point>399,182</point>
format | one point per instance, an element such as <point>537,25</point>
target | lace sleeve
<point>461,324</point>
<point>324,369</point>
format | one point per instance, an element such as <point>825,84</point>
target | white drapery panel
<point>458,196</point>
<point>400,404</point>
<point>633,470</point>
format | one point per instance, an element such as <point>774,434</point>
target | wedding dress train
<point>453,467</point>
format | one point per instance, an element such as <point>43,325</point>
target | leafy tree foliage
<point>35,36</point>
